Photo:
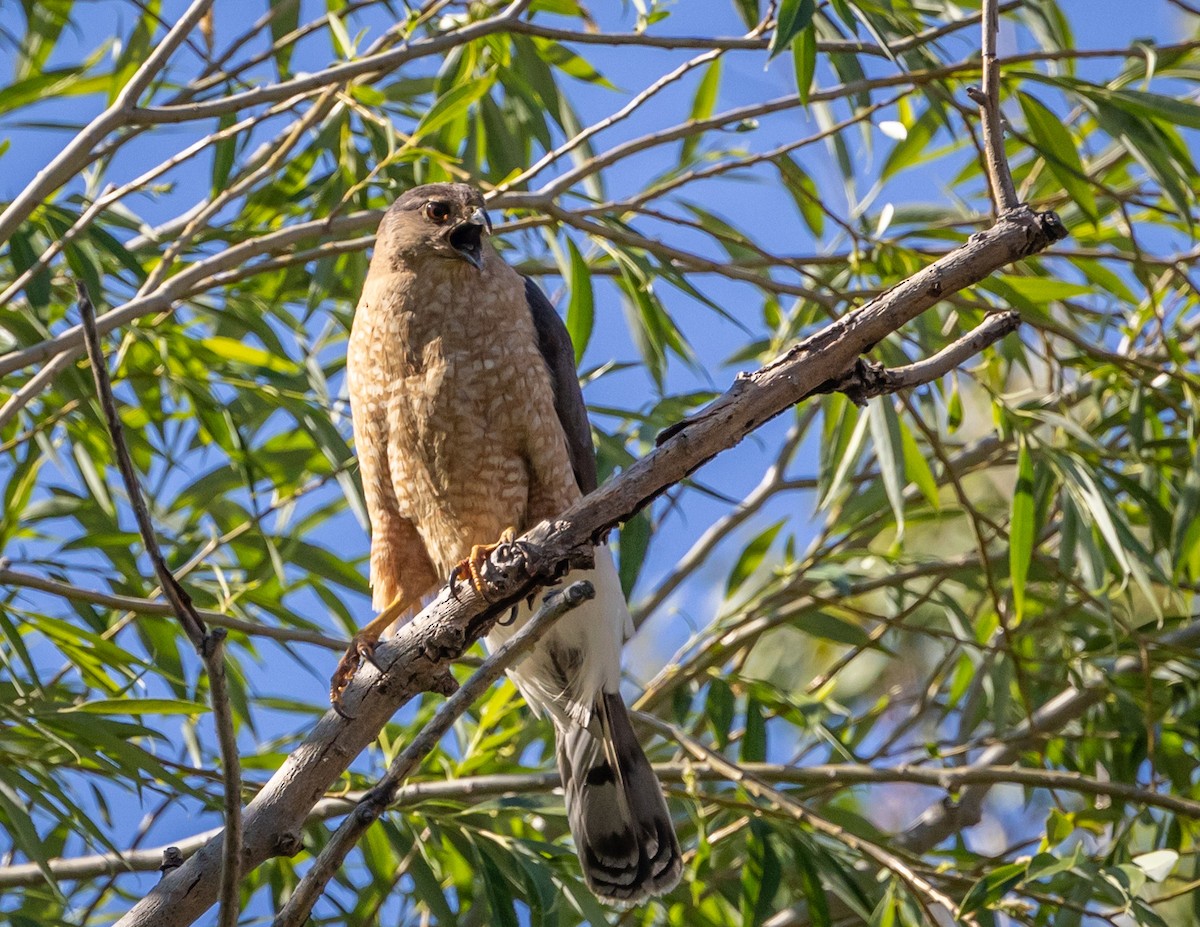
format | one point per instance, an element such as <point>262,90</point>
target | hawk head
<point>445,220</point>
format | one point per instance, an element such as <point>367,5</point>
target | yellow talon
<point>362,647</point>
<point>473,565</point>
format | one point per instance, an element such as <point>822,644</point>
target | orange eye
<point>437,212</point>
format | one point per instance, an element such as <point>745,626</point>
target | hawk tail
<point>615,805</point>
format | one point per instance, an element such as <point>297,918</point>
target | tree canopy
<point>927,658</point>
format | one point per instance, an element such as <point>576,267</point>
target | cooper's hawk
<point>469,420</point>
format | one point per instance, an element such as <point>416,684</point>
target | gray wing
<point>559,354</point>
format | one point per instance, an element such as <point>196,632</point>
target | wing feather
<point>555,345</point>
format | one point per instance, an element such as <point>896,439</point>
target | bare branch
<point>10,577</point>
<point>490,786</point>
<point>78,153</point>
<point>376,801</point>
<point>868,379</point>
<point>210,645</point>
<point>1004,193</point>
<point>942,819</point>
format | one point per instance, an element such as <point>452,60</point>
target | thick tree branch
<point>210,645</point>
<point>377,800</point>
<point>417,657</point>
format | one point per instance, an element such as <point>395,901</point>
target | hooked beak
<point>467,237</point>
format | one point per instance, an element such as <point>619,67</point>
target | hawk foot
<point>474,566</point>
<point>362,648</point>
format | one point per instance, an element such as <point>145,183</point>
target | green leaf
<point>580,307</point>
<point>703,104</point>
<point>239,352</point>
<point>751,558</point>
<point>992,887</point>
<point>810,884</point>
<point>634,542</point>
<point>917,468</point>
<point>885,435</point>
<point>1022,530</point>
<point>761,876</point>
<point>914,147</point>
<point>804,193</point>
<point>1057,146</point>
<point>570,63</point>
<point>754,738</point>
<point>24,834</point>
<point>223,155</point>
<point>748,10</point>
<point>793,16</point>
<point>139,706</point>
<point>719,710</point>
<point>804,57</point>
<point>450,106</point>
<point>23,256</point>
<point>285,17</point>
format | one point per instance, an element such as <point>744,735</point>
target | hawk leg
<point>362,647</point>
<point>473,566</point>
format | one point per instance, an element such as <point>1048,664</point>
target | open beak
<point>467,237</point>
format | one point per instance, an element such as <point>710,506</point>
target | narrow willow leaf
<point>992,887</point>
<point>761,875</point>
<point>581,306</point>
<point>634,542</point>
<point>793,16</point>
<point>748,10</point>
<point>285,17</point>
<point>24,834</point>
<point>751,558</point>
<point>885,435</point>
<point>450,106</point>
<point>804,193</point>
<point>1056,145</point>
<point>917,468</point>
<point>804,56</point>
<point>23,256</point>
<point>1022,529</point>
<point>703,104</point>
<point>140,706</point>
<point>914,146</point>
<point>754,738</point>
<point>719,710</point>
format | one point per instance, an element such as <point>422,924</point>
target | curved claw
<point>362,648</point>
<point>472,566</point>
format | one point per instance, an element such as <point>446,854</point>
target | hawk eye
<point>437,212</point>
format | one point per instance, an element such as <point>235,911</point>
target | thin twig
<point>373,804</point>
<point>210,645</point>
<point>922,891</point>
<point>1004,193</point>
<point>943,818</point>
<point>488,786</point>
<point>79,151</point>
<point>10,577</point>
<point>867,379</point>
